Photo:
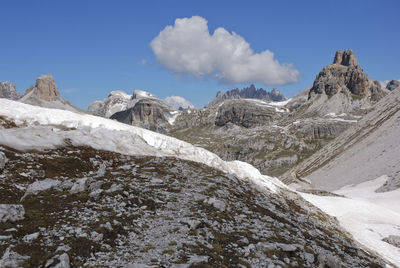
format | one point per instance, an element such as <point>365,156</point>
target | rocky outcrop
<point>343,86</point>
<point>244,113</point>
<point>148,113</point>
<point>393,240</point>
<point>45,89</point>
<point>346,58</point>
<point>248,93</point>
<point>8,91</point>
<point>45,94</point>
<point>392,85</point>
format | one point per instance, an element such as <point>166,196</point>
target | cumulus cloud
<point>187,47</point>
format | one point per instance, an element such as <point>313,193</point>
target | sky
<point>191,48</point>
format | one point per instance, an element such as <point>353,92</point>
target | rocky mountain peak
<point>45,89</point>
<point>346,58</point>
<point>45,94</point>
<point>347,81</point>
<point>8,91</point>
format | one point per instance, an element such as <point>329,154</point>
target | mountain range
<point>252,180</point>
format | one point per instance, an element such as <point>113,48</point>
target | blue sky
<point>93,47</point>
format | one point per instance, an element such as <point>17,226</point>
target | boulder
<point>11,212</point>
<point>393,84</point>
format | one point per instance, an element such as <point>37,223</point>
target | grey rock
<point>392,85</point>
<point>218,204</point>
<point>64,261</point>
<point>290,247</point>
<point>79,186</point>
<point>30,237</point>
<point>8,91</point>
<point>3,160</point>
<point>392,183</point>
<point>328,261</point>
<point>309,257</point>
<point>147,113</point>
<point>12,259</point>
<point>40,186</point>
<point>95,185</point>
<point>393,240</point>
<point>11,212</point>
<point>244,113</point>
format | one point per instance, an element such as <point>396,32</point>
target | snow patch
<point>367,215</point>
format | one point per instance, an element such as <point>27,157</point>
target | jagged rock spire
<point>45,88</point>
<point>346,58</point>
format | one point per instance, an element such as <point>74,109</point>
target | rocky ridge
<point>8,91</point>
<point>248,93</point>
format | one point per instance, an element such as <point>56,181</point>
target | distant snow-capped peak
<point>177,102</point>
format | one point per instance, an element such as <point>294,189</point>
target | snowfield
<point>50,128</point>
<point>369,216</point>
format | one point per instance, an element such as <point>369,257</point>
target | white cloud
<point>188,48</point>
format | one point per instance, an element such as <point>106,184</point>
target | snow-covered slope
<point>177,102</point>
<point>362,165</point>
<point>369,216</point>
<point>45,130</point>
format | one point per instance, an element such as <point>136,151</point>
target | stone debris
<point>11,212</point>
